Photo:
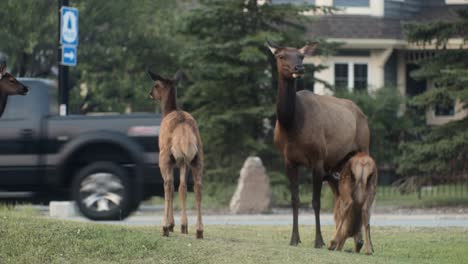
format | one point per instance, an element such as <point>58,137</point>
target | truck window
<point>15,107</point>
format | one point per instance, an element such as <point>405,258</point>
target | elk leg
<point>197,177</point>
<point>171,209</point>
<point>368,242</point>
<point>339,238</point>
<point>366,217</point>
<point>358,243</point>
<point>167,174</point>
<point>292,173</point>
<point>317,189</point>
<point>183,198</point>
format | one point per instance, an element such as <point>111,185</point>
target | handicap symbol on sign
<point>69,27</point>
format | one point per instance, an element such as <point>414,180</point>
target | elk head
<point>8,84</point>
<point>162,85</point>
<point>289,60</point>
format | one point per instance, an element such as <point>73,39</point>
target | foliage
<point>386,124</point>
<point>28,36</point>
<point>233,76</point>
<point>443,149</point>
<point>118,42</point>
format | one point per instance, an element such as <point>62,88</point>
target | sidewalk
<point>305,218</point>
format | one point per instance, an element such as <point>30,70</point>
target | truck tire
<point>103,191</point>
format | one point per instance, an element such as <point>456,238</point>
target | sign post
<point>68,42</point>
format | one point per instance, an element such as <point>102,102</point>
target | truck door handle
<point>26,133</point>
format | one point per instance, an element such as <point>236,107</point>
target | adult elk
<point>179,145</point>
<point>8,86</point>
<point>311,130</point>
<point>353,198</point>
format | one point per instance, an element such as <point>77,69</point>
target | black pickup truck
<point>107,164</point>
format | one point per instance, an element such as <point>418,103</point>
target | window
<point>445,109</point>
<point>15,107</point>
<point>294,2</point>
<point>455,2</point>
<point>360,77</point>
<point>351,75</point>
<point>351,3</point>
<point>341,75</point>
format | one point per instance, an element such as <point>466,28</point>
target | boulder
<point>253,193</point>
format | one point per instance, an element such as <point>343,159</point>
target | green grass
<point>218,197</point>
<point>442,195</point>
<point>28,238</point>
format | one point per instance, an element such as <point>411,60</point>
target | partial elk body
<point>355,194</point>
<point>179,145</point>
<point>9,86</point>
<point>315,131</point>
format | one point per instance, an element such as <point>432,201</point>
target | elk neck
<point>286,102</point>
<point>3,102</point>
<point>169,102</point>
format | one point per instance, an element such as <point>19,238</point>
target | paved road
<point>420,220</point>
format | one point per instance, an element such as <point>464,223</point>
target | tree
<point>232,91</point>
<point>386,124</point>
<point>118,41</point>
<point>443,149</point>
<point>28,36</point>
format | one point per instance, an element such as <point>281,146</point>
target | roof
<point>442,13</point>
<point>353,26</point>
<point>369,27</point>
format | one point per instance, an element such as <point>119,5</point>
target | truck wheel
<point>103,191</point>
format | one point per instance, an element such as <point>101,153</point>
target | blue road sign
<point>69,55</point>
<point>69,26</point>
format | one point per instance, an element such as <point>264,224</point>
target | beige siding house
<point>375,53</point>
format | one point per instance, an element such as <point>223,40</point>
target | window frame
<point>351,72</point>
<point>352,6</point>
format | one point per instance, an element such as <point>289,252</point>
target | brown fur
<point>315,131</point>
<point>356,192</point>
<point>179,145</point>
<point>8,86</point>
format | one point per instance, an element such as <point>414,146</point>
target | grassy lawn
<point>444,195</point>
<point>28,238</point>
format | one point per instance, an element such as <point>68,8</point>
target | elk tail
<point>184,144</point>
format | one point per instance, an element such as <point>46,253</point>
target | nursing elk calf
<point>179,145</point>
<point>8,86</point>
<point>353,199</point>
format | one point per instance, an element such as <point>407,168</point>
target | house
<point>375,53</point>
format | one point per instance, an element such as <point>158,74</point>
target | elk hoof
<point>319,243</point>
<point>295,240</point>
<point>333,245</point>
<point>200,234</point>
<point>165,231</point>
<point>171,228</point>
<point>359,245</point>
<point>184,229</point>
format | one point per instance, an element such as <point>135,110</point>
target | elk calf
<point>353,199</point>
<point>179,145</point>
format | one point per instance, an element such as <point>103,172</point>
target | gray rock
<point>253,193</point>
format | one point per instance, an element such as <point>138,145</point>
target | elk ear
<point>272,46</point>
<point>178,76</point>
<point>154,76</point>
<point>309,49</point>
<point>2,68</point>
